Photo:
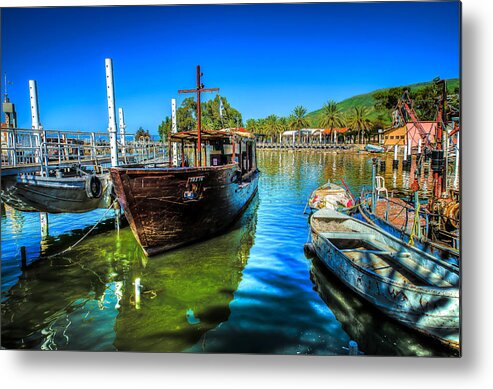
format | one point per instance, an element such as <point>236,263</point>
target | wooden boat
<point>408,285</point>
<point>396,217</point>
<point>75,191</point>
<point>330,196</point>
<point>168,207</point>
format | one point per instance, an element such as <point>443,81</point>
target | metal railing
<point>21,147</point>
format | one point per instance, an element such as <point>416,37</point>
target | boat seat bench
<point>407,263</point>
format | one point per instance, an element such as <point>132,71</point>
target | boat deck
<point>366,251</point>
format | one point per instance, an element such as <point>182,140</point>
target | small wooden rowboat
<point>410,286</point>
<point>330,196</point>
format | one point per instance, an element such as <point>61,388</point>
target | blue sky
<point>265,58</point>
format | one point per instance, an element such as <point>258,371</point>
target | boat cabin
<point>216,148</point>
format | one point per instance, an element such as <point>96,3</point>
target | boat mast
<point>198,90</point>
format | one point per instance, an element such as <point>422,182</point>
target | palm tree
<point>251,125</point>
<point>281,125</point>
<point>270,124</point>
<point>298,120</point>
<point>331,117</point>
<point>359,121</point>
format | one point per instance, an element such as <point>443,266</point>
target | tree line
<point>357,120</point>
<point>360,120</point>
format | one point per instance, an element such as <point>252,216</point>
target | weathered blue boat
<point>410,286</point>
<point>374,148</point>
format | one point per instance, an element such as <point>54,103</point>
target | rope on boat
<point>86,234</point>
<point>416,224</point>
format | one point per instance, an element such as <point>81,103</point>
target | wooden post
<point>182,154</point>
<point>23,257</point>
<point>116,208</point>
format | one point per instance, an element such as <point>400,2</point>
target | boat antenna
<point>5,93</point>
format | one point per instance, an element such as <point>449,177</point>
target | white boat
<point>330,196</point>
<point>414,288</point>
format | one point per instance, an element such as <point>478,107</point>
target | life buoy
<point>94,188</point>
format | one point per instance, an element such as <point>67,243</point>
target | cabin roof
<point>210,135</point>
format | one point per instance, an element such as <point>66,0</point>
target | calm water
<point>249,290</point>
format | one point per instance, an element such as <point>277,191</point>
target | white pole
<point>174,131</point>
<point>122,130</point>
<point>405,153</point>
<point>110,92</point>
<point>419,146</point>
<point>43,219</point>
<point>137,287</point>
<point>33,95</point>
<point>35,123</point>
<point>395,152</point>
<point>409,145</point>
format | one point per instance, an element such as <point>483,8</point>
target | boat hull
<point>30,193</point>
<point>430,310</point>
<point>171,207</point>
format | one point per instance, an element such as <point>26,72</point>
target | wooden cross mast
<point>199,89</point>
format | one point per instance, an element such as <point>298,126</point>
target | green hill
<point>367,100</point>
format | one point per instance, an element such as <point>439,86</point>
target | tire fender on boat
<point>94,187</point>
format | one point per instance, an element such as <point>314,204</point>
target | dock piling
<point>395,162</point>
<point>23,257</point>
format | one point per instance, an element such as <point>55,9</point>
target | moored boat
<point>374,148</point>
<point>171,206</point>
<point>330,196</point>
<point>75,191</point>
<point>410,286</point>
<point>396,217</point>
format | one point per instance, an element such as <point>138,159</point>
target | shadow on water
<point>85,299</point>
<point>375,333</point>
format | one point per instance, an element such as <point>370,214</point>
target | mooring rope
<point>86,234</point>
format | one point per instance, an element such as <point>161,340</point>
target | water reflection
<point>374,333</point>
<point>85,300</point>
<point>248,290</point>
